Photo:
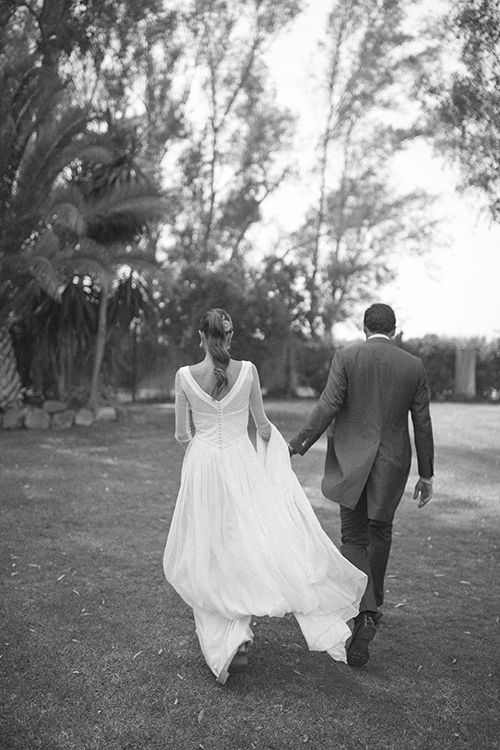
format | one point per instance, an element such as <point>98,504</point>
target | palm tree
<point>53,339</point>
<point>41,134</point>
<point>102,229</point>
<point>10,383</point>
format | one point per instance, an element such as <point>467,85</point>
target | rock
<point>13,419</point>
<point>51,406</point>
<point>63,420</point>
<point>121,412</point>
<point>37,419</point>
<point>105,414</point>
<point>84,417</point>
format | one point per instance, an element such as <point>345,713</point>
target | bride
<point>244,540</point>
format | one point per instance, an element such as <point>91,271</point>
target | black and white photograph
<point>249,374</point>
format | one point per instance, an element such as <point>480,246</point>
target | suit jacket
<point>372,388</point>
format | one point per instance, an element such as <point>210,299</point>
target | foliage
<point>179,92</point>
<point>470,109</point>
<point>438,356</point>
<point>71,195</point>
<point>358,224</point>
<point>99,223</point>
<point>230,163</point>
<point>313,364</point>
<point>10,383</point>
<point>41,137</point>
<point>262,303</point>
<point>132,337</point>
<point>488,371</point>
<point>53,338</point>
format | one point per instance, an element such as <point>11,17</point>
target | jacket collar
<point>379,338</point>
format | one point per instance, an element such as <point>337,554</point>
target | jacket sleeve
<point>329,404</point>
<point>422,426</point>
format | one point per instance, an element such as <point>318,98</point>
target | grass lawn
<point>99,653</point>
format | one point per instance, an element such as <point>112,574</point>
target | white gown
<point>244,540</point>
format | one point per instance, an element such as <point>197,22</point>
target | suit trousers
<point>366,543</point>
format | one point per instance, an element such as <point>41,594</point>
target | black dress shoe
<point>364,631</point>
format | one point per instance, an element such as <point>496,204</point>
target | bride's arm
<point>262,423</point>
<point>182,414</point>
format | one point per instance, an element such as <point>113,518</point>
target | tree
<point>365,229</point>
<point>10,383</point>
<point>98,221</point>
<point>231,162</point>
<point>52,340</point>
<point>44,135</point>
<point>132,330</point>
<point>264,305</point>
<point>470,109</point>
<point>357,218</point>
<point>41,133</point>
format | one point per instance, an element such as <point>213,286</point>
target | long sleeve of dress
<point>264,426</point>
<point>182,412</point>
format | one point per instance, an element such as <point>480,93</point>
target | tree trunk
<point>291,368</point>
<point>100,344</point>
<point>134,361</point>
<point>10,382</point>
<point>465,372</point>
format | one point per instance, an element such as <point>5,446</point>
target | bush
<point>488,372</point>
<point>438,356</point>
<point>313,359</point>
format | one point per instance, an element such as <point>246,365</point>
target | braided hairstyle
<point>217,327</point>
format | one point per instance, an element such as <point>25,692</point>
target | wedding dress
<point>244,540</point>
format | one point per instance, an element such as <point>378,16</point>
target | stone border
<point>56,415</point>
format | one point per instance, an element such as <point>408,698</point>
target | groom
<point>371,389</point>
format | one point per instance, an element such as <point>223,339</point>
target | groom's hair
<point>380,318</point>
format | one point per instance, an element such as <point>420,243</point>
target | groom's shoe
<point>364,631</point>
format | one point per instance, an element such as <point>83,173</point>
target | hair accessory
<point>227,326</point>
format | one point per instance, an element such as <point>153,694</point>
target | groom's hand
<point>291,451</point>
<point>423,488</point>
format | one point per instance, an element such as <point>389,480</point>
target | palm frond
<point>45,245</point>
<point>124,212</point>
<point>140,198</point>
<point>67,193</point>
<point>85,257</point>
<point>42,161</point>
<point>46,277</point>
<point>68,216</point>
<point>87,147</point>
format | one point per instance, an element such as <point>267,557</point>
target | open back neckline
<point>207,395</point>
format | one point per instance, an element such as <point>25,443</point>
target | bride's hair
<point>217,327</point>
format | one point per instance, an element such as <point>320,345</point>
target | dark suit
<point>371,389</point>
